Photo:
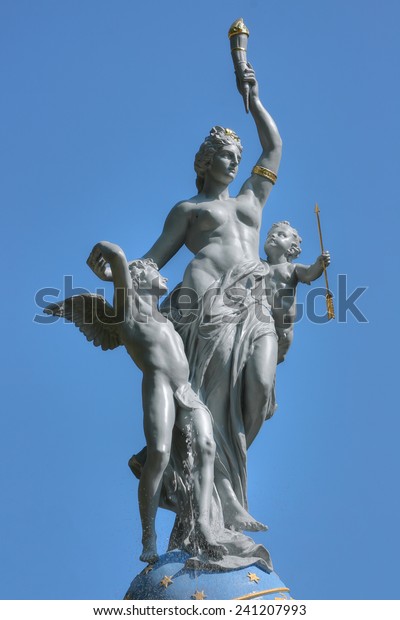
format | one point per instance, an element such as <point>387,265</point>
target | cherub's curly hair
<point>219,137</point>
<point>295,249</point>
<point>136,267</point>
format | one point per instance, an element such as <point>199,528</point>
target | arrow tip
<point>316,208</point>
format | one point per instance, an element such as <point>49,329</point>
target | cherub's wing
<point>93,316</point>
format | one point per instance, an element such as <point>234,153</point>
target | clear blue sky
<point>103,107</point>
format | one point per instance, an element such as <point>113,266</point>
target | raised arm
<point>264,173</point>
<point>105,252</point>
<point>173,235</point>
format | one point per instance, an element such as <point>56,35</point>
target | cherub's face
<point>225,163</point>
<point>152,281</point>
<point>279,240</point>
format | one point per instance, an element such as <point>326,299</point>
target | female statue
<point>223,234</point>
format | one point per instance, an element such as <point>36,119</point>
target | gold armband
<point>265,172</point>
<point>238,27</point>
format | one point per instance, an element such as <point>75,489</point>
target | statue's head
<point>283,237</point>
<point>218,138</point>
<point>146,277</point>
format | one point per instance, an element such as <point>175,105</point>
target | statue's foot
<point>150,556</point>
<point>242,520</point>
<point>251,526</point>
<point>149,553</point>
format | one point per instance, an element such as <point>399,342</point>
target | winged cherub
<point>168,400</point>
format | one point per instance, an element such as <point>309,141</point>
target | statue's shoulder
<point>185,206</point>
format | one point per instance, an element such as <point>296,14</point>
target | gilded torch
<point>238,35</point>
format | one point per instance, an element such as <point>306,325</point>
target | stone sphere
<point>168,579</point>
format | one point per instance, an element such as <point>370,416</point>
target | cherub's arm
<point>105,252</point>
<point>309,273</point>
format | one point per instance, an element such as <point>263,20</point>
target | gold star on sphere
<point>253,577</point>
<point>199,596</point>
<point>166,581</point>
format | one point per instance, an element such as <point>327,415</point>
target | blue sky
<point>103,107</point>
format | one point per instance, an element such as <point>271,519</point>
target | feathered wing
<point>94,317</point>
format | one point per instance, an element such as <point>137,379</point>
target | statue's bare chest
<point>281,277</point>
<point>214,215</point>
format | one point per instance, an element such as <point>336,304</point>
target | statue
<point>209,353</point>
<point>168,399</point>
<point>282,245</point>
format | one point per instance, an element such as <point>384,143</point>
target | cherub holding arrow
<point>282,246</point>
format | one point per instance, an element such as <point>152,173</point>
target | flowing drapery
<point>219,336</point>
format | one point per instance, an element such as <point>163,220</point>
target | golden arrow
<point>328,296</point>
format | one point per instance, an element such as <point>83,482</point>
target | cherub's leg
<point>159,418</point>
<point>203,446</point>
<point>259,386</point>
<point>284,342</point>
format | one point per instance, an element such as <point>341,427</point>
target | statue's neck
<point>213,190</point>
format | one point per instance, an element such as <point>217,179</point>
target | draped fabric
<point>219,336</point>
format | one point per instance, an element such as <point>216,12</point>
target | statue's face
<point>224,165</point>
<point>279,240</point>
<point>151,281</point>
